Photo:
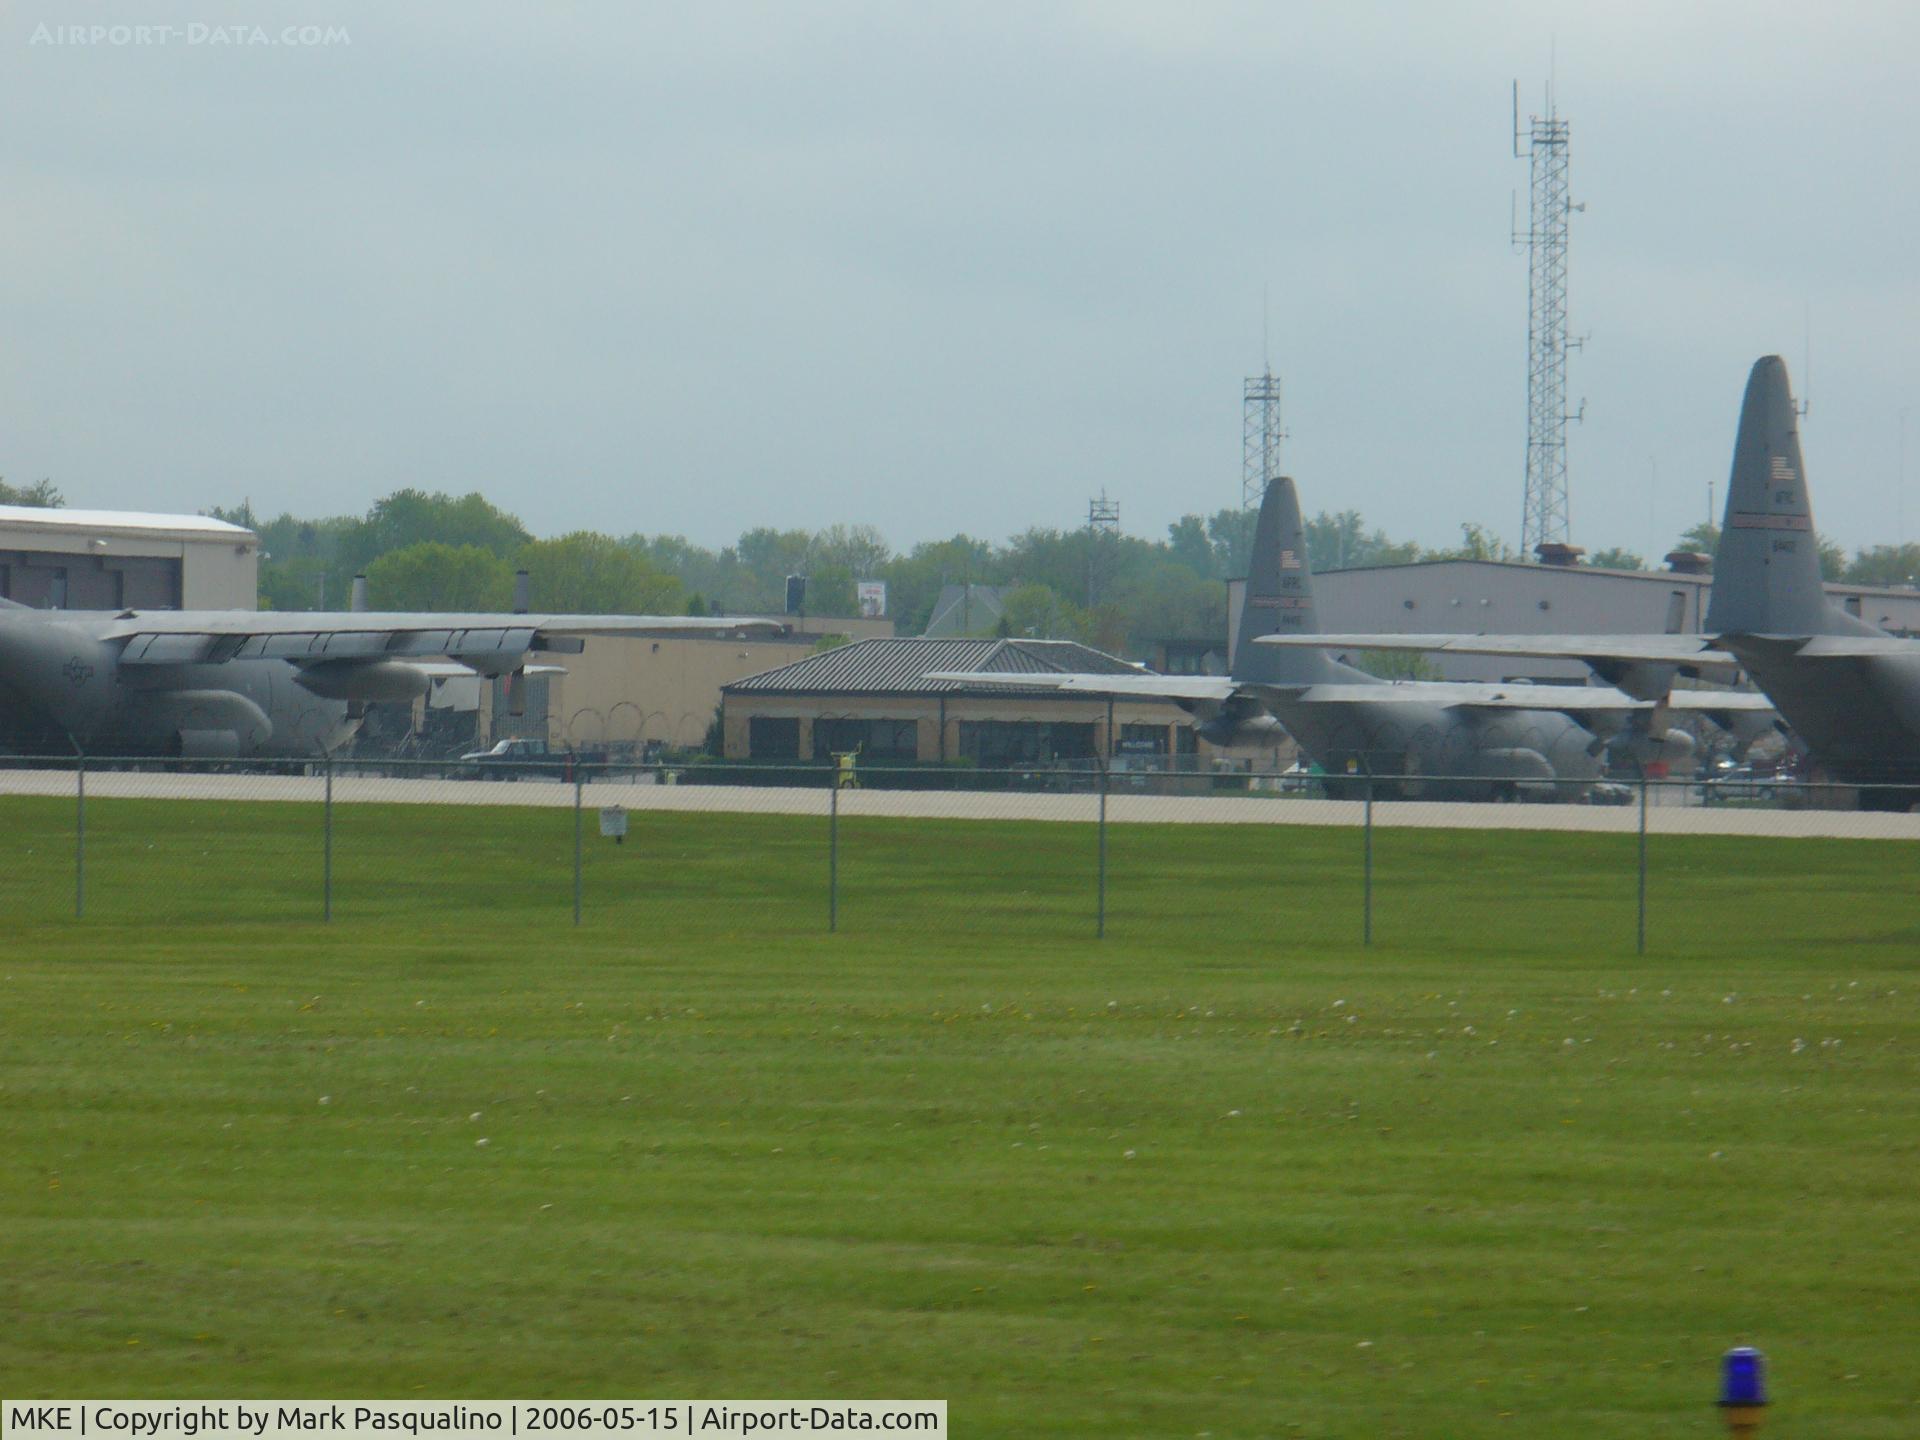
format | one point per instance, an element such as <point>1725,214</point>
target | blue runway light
<point>1743,1377</point>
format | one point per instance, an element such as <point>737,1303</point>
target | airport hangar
<point>1560,597</point>
<point>874,696</point>
<point>118,560</point>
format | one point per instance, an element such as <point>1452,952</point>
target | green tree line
<point>431,551</point>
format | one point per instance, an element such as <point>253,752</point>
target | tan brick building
<point>874,696</point>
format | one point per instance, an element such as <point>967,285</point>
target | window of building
<point>772,737</point>
<point>992,743</point>
<point>44,581</point>
<point>873,739</point>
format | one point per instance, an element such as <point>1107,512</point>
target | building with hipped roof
<point>875,697</point>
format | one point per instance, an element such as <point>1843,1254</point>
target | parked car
<point>1744,782</point>
<point>526,758</point>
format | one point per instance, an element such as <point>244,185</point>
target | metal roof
<point>1557,573</point>
<point>900,666</point>
<point>122,522</point>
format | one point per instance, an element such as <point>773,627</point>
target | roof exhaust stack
<point>1553,552</point>
<point>522,592</point>
<point>358,603</point>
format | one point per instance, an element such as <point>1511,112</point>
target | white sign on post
<point>613,821</point>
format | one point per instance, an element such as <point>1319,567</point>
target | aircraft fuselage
<point>1454,755</point>
<point>1859,717</point>
<point>65,689</point>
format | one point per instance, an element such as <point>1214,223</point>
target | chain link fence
<point>1266,861</point>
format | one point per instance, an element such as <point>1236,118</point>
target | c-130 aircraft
<point>1434,739</point>
<point>244,683</point>
<point>1849,689</point>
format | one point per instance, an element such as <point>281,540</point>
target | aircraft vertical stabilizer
<point>1766,576</point>
<point>1279,601</point>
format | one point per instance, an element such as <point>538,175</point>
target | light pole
<point>1900,475</point>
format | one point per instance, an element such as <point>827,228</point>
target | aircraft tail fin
<point>1766,575</point>
<point>1279,600</point>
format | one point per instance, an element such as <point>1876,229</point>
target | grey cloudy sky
<point>943,267</point>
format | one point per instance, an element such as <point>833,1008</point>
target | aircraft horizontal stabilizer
<point>1830,647</point>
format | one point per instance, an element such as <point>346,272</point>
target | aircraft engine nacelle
<point>208,724</point>
<point>1516,762</point>
<point>1240,722</point>
<point>1672,747</point>
<point>1747,727</point>
<point>1642,679</point>
<point>376,680</point>
<point>206,744</point>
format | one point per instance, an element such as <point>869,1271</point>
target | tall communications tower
<point>1544,517</point>
<point>1103,540</point>
<point>1260,438</point>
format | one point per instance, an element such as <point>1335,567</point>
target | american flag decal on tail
<point>1783,469</point>
<point>1289,560</point>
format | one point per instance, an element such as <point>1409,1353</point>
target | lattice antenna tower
<point>1260,435</point>
<point>1103,540</point>
<point>1545,512</point>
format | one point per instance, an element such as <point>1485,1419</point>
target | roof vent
<point>1552,552</point>
<point>1689,562</point>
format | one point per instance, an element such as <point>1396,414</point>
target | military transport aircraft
<point>1850,690</point>
<point>214,683</point>
<point>1474,740</point>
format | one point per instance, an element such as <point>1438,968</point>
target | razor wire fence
<point>1245,860</point>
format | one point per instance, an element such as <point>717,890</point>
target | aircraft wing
<point>1450,694</point>
<point>1694,655</point>
<point>1143,685</point>
<point>1570,700</point>
<point>454,670</point>
<point>488,643</point>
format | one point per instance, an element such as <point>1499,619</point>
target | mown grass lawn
<point>1225,1171</point>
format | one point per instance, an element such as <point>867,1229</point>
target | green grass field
<point>1224,1172</point>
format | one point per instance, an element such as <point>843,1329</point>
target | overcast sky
<point>697,267</point>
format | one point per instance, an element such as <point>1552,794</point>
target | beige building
<point>117,560</point>
<point>631,693</point>
<point>874,697</point>
<point>624,692</point>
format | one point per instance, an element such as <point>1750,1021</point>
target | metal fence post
<point>833,855</point>
<point>1100,923</point>
<point>326,869</point>
<point>579,787</point>
<point>1641,940</point>
<point>1366,871</point>
<point>80,839</point>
